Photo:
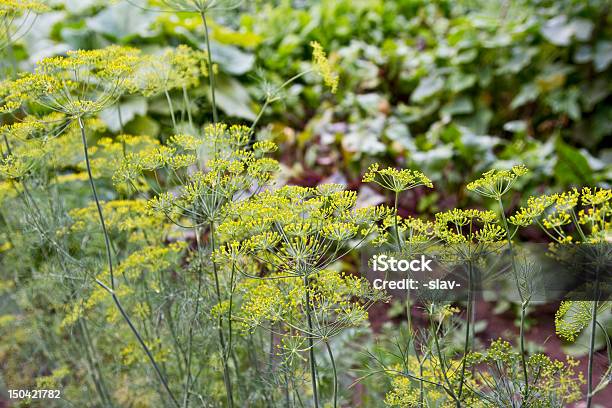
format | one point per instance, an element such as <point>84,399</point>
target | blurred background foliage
<point>450,87</point>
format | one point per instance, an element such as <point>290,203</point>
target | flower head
<point>324,67</point>
<point>82,83</point>
<point>396,180</point>
<point>495,183</point>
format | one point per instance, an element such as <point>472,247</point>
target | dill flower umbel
<point>10,10</point>
<point>588,211</point>
<point>396,180</point>
<point>82,83</point>
<point>495,183</point>
<point>178,68</point>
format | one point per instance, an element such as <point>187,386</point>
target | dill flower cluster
<point>82,83</point>
<point>231,171</point>
<point>336,301</point>
<point>178,68</point>
<point>324,67</point>
<point>297,231</point>
<point>10,10</point>
<point>405,382</point>
<point>396,180</point>
<point>587,210</point>
<point>552,383</point>
<point>495,183</point>
<point>470,226</point>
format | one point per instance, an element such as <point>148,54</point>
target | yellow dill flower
<point>83,82</point>
<point>396,180</point>
<point>10,10</point>
<point>186,142</point>
<point>495,183</point>
<point>177,68</point>
<point>596,196</point>
<point>324,67</point>
<point>572,318</point>
<point>14,168</point>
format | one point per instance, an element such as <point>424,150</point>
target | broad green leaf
<point>122,21</point>
<point>571,168</point>
<point>528,93</point>
<point>233,98</point>
<point>427,87</point>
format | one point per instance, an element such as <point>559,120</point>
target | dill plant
<point>296,234</point>
<point>79,85</point>
<point>494,184</point>
<point>264,258</point>
<point>578,220</point>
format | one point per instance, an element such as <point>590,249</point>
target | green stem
<point>272,97</point>
<point>171,107</point>
<point>211,71</point>
<point>589,401</point>
<point>224,350</point>
<point>524,302</point>
<point>466,346</point>
<point>333,363</point>
<point>313,363</point>
<point>260,114</point>
<point>96,373</point>
<point>187,103</point>
<point>396,222</point>
<point>111,290</point>
<point>192,325</point>
<point>443,367</point>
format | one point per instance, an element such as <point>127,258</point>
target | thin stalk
<point>313,363</point>
<point>333,363</point>
<point>260,114</point>
<point>589,401</point>
<point>421,385</point>
<point>171,107</point>
<point>191,326</point>
<point>96,373</point>
<point>224,352</point>
<point>466,346</point>
<point>211,71</point>
<point>443,367</point>
<point>111,290</point>
<point>524,302</point>
<point>271,97</point>
<point>187,103</point>
<point>396,222</point>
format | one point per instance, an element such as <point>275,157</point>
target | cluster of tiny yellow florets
<point>571,318</point>
<point>466,226</point>
<point>15,7</point>
<point>312,223</point>
<point>495,183</point>
<point>396,180</point>
<point>405,384</point>
<point>337,301</point>
<point>324,67</point>
<point>179,68</point>
<point>553,212</point>
<point>10,10</point>
<point>556,384</point>
<point>81,83</point>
